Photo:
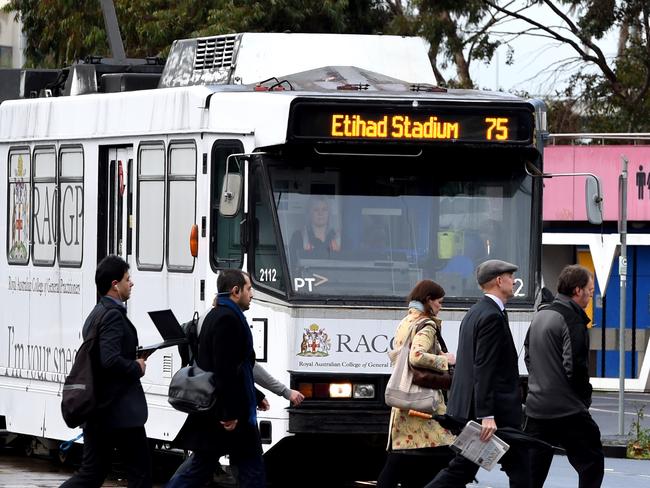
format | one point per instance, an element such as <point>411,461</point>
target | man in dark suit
<point>121,413</point>
<point>486,379</point>
<point>226,349</point>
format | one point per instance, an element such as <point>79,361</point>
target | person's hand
<point>489,427</point>
<point>229,425</point>
<point>144,354</point>
<point>264,405</point>
<point>451,358</point>
<point>296,398</point>
<point>143,364</point>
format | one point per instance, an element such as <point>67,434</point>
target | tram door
<point>115,202</point>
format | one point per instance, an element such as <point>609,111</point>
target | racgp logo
<point>315,342</point>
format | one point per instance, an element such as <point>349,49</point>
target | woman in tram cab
<point>418,447</point>
<point>317,239</point>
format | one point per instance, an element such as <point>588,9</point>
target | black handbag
<point>431,378</point>
<point>192,390</point>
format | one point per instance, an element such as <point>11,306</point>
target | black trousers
<point>580,437</point>
<point>413,469</point>
<point>461,471</point>
<point>99,442</point>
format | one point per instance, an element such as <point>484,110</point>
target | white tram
<point>417,182</point>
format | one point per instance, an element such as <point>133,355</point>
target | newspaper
<point>485,454</point>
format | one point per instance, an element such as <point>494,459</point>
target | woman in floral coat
<point>418,448</point>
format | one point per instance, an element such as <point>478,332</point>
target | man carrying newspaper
<point>486,380</point>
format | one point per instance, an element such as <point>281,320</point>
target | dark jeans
<point>413,469</point>
<point>197,470</point>
<point>462,471</point>
<point>98,447</point>
<point>580,437</point>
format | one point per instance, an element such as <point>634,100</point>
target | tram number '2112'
<point>519,285</point>
<point>268,274</point>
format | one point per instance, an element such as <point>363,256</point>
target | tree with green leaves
<point>324,16</point>
<point>459,33</point>
<point>148,27</point>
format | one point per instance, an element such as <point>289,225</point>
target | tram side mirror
<point>230,195</point>
<point>594,200</point>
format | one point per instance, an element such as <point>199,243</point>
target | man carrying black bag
<point>230,427</point>
<point>121,409</point>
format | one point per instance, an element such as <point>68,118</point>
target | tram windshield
<point>355,227</point>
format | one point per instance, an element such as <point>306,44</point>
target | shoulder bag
<point>192,390</point>
<point>402,392</point>
<point>432,378</point>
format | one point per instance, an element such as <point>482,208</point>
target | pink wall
<point>564,197</point>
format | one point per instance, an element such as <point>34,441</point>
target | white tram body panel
<point>46,306</point>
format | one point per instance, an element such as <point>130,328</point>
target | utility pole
<point>113,31</point>
<point>622,271</point>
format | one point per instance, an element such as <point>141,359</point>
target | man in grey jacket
<point>559,396</point>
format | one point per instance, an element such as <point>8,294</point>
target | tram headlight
<point>345,389</point>
<point>363,390</point>
<point>340,390</point>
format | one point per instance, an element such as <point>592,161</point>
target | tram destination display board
<point>422,122</point>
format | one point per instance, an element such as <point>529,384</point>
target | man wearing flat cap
<point>486,380</point>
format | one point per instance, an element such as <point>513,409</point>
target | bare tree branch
<point>599,60</point>
<point>578,33</point>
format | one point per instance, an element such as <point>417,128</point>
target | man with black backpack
<point>120,411</point>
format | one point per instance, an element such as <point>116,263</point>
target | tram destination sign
<point>372,121</point>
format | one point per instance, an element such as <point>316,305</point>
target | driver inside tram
<point>317,239</point>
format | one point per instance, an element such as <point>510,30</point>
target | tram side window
<point>225,243</point>
<point>268,262</point>
<point>72,206</point>
<point>18,210</point>
<point>181,205</point>
<point>151,206</point>
<point>44,207</point>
